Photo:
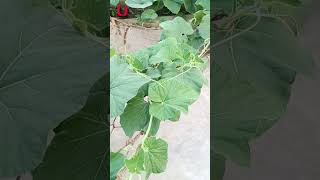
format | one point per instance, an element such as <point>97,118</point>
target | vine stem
<point>180,74</point>
<point>205,48</point>
<point>148,131</point>
<point>258,14</point>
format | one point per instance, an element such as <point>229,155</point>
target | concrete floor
<point>290,150</point>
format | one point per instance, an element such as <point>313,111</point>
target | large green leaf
<point>155,155</point>
<point>124,85</point>
<point>87,15</point>
<point>267,56</point>
<point>239,112</point>
<point>167,51</point>
<point>80,147</point>
<point>177,28</point>
<point>192,78</point>
<point>135,116</point>
<point>169,97</point>
<point>44,79</point>
<point>152,157</point>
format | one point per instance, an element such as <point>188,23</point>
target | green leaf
<point>154,127</point>
<point>81,143</point>
<point>239,110</point>
<point>124,85</point>
<point>192,78</point>
<point>44,79</point>
<point>167,51</point>
<point>190,5</point>
<point>197,17</point>
<point>117,161</point>
<point>148,15</point>
<point>204,27</point>
<point>139,59</point>
<point>196,41</point>
<point>205,4</point>
<point>153,73</point>
<point>135,116</point>
<point>135,164</point>
<point>173,5</point>
<point>155,155</point>
<point>91,11</point>
<point>271,71</point>
<point>139,3</point>
<point>177,28</point>
<point>169,97</point>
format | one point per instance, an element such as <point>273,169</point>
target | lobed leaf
<point>79,148</point>
<point>44,79</point>
<point>124,85</point>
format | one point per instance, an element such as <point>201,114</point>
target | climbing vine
<point>156,84</point>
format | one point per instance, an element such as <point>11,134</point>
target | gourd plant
<point>153,85</point>
<point>256,57</point>
<point>48,66</point>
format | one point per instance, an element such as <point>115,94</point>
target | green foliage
<point>177,28</point>
<point>173,6</point>
<point>136,115</point>
<point>136,163</point>
<point>256,59</point>
<point>155,153</point>
<point>152,157</point>
<point>124,85</point>
<point>87,16</point>
<point>80,143</point>
<point>148,15</point>
<point>170,97</point>
<point>166,79</point>
<point>204,27</point>
<point>160,82</point>
<point>44,79</point>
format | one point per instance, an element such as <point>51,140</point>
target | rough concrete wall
<point>125,36</point>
